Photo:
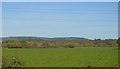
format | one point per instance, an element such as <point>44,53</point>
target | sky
<point>0,19</point>
<point>60,19</point>
<point>59,0</point>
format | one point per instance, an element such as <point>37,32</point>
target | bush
<point>69,46</point>
<point>14,62</point>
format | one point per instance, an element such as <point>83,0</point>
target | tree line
<point>59,44</point>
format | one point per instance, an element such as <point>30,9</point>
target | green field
<point>64,57</point>
<point>0,56</point>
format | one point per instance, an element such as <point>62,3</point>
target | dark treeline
<point>59,44</point>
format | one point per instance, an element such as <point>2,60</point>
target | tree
<point>118,41</point>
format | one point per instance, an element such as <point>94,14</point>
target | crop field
<point>63,57</point>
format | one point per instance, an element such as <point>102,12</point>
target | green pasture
<point>63,57</point>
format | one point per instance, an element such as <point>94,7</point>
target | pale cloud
<point>59,0</point>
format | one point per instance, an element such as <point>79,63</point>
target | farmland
<point>64,57</point>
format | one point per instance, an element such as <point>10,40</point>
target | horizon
<point>53,37</point>
<point>77,19</point>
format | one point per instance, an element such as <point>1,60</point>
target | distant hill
<point>56,42</point>
<point>43,38</point>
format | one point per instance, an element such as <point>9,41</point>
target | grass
<point>0,56</point>
<point>64,57</point>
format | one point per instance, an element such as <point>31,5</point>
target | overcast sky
<point>75,19</point>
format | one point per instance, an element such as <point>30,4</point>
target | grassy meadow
<point>64,57</point>
<point>0,56</point>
